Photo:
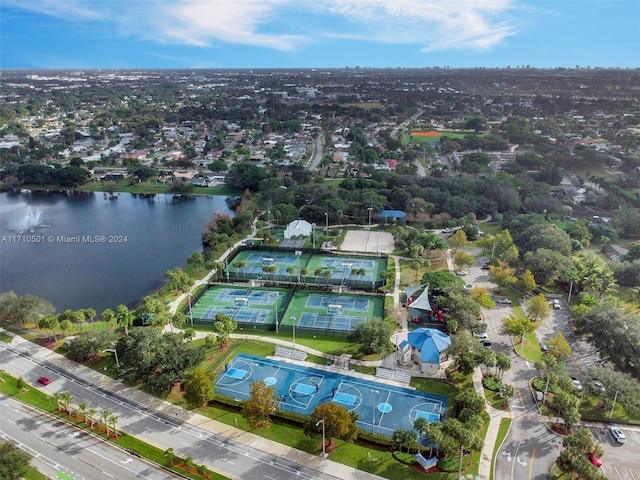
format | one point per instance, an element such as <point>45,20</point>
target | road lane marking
<point>632,475</point>
<point>531,459</point>
<point>520,397</point>
<point>514,463</point>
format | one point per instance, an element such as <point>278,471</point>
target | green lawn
<point>503,430</point>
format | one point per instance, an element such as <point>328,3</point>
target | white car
<point>576,383</point>
<point>481,335</point>
<point>505,301</point>
<point>468,287</point>
<point>462,273</point>
<point>617,435</point>
<point>556,305</point>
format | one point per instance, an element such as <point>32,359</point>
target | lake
<point>81,250</point>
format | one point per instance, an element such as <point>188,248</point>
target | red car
<point>44,381</point>
<point>595,460</point>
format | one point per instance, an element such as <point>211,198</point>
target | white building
<point>297,228</point>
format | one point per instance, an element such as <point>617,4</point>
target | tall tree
<point>458,240</point>
<point>124,318</point>
<point>338,422</point>
<point>502,275</point>
<point>537,308</point>
<point>260,404</point>
<point>199,387</point>
<point>14,462</point>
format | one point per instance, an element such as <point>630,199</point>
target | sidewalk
<point>259,443</point>
<point>495,417</point>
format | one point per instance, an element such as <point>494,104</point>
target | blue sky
<point>318,33</point>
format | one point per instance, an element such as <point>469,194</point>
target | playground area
<point>307,268</point>
<point>314,313</point>
<point>381,408</point>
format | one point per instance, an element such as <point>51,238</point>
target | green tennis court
<point>305,267</point>
<point>311,312</point>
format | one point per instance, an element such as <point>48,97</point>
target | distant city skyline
<point>83,34</point>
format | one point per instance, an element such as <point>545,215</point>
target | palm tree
<point>57,396</point>
<point>169,454</point>
<point>124,318</point>
<point>82,409</point>
<point>90,314</point>
<point>66,399</point>
<point>104,414</point>
<point>304,272</point>
<point>91,413</point>
<point>107,316</point>
<point>113,420</point>
<point>420,425</point>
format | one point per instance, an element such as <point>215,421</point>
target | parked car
<point>504,301</point>
<point>576,383</point>
<point>556,305</point>
<point>595,460</point>
<point>617,435</point>
<point>485,267</point>
<point>598,384</point>
<point>481,335</point>
<point>544,348</point>
<point>44,381</point>
<point>462,273</point>
<point>468,287</point>
<point>486,343</point>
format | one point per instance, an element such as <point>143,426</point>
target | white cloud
<point>430,25</point>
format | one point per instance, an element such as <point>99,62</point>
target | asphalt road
<point>58,447</point>
<point>147,422</point>
<point>530,449</point>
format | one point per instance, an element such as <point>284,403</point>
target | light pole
<point>277,295</point>
<point>370,208</point>
<point>190,312</point>
<point>293,323</point>
<point>614,404</point>
<point>313,232</point>
<point>395,338</point>
<point>114,351</point>
<point>326,223</point>
<point>324,455</point>
<point>298,253</point>
<point>268,217</point>
<point>373,411</point>
<point>254,365</point>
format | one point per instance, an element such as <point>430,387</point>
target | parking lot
<point>619,462</point>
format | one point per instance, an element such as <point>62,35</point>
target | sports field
<point>315,313</point>
<point>278,266</point>
<point>381,408</point>
<point>255,306</point>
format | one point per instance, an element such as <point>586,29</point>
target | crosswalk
<point>289,353</point>
<point>397,375</point>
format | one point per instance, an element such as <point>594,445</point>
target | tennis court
<point>359,304</point>
<point>328,321</point>
<point>301,266</point>
<point>330,314</point>
<point>257,307</point>
<point>381,408</point>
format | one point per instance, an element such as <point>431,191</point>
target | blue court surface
<point>381,408</point>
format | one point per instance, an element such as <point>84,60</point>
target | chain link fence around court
<point>304,266</point>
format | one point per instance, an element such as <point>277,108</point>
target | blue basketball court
<point>382,408</point>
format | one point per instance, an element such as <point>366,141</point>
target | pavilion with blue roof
<point>393,215</point>
<point>428,348</point>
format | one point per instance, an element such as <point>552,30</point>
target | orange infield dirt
<point>425,134</point>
